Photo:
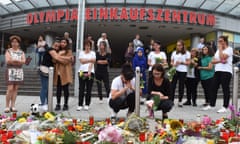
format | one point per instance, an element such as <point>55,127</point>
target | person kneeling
<point>160,86</point>
<point>122,94</point>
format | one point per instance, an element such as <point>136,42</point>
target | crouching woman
<point>160,86</point>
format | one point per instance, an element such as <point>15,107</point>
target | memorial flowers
<point>170,73</point>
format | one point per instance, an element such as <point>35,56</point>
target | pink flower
<point>110,134</point>
<point>206,120</point>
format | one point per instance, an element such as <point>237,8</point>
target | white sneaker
<point>79,108</point>
<point>86,107</point>
<point>180,104</point>
<point>222,110</point>
<point>101,101</point>
<point>208,107</point>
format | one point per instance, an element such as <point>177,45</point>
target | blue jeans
<point>44,89</point>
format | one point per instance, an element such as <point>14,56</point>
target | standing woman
<point>206,74</point>
<point>63,75</point>
<point>102,59</point>
<point>223,72</point>
<point>192,78</point>
<point>156,56</point>
<point>41,48</point>
<point>180,59</point>
<point>86,75</point>
<point>47,62</point>
<point>15,58</point>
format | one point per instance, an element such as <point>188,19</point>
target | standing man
<point>137,42</point>
<point>66,36</point>
<point>104,38</point>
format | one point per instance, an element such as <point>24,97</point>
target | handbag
<point>43,70</point>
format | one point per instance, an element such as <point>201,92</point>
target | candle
<point>74,121</point>
<point>210,141</point>
<point>91,120</point>
<point>142,136</point>
<point>4,137</point>
<point>9,134</point>
<point>108,121</point>
<point>14,115</point>
<point>225,136</point>
<point>181,121</point>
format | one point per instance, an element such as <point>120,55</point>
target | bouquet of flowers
<point>158,60</point>
<point>171,72</point>
<point>193,60</point>
<point>84,76</point>
<point>152,105</point>
<point>110,134</point>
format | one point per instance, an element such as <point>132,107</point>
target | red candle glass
<point>4,137</point>
<point>91,120</point>
<point>225,136</point>
<point>74,121</point>
<point>142,136</point>
<point>14,115</point>
<point>9,134</point>
<point>181,121</point>
<point>108,121</point>
<point>231,133</point>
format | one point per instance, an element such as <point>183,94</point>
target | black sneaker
<point>187,103</point>
<point>194,104</point>
<point>58,107</point>
<point>65,107</point>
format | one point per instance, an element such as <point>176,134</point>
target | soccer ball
<point>34,109</point>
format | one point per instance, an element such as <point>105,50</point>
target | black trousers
<point>85,83</point>
<point>65,89</point>
<point>221,78</point>
<point>191,85</point>
<point>181,76</point>
<point>207,89</point>
<point>120,103</point>
<point>165,105</point>
<point>102,76</point>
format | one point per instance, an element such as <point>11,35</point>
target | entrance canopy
<point>224,7</point>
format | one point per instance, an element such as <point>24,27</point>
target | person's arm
<point>117,93</point>
<point>161,95</point>
<point>62,59</point>
<point>23,59</point>
<point>223,56</point>
<point>209,67</point>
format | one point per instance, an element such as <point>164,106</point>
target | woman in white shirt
<point>223,73</point>
<point>86,75</point>
<point>179,59</point>
<point>41,48</point>
<point>156,56</point>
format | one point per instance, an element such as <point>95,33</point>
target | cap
<point>15,37</point>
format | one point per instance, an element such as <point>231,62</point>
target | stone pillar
<point>195,40</point>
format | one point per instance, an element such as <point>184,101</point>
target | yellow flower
<point>175,125</point>
<point>81,74</point>
<point>79,128</point>
<point>22,120</point>
<point>49,116</point>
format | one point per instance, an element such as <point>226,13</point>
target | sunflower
<point>175,125</point>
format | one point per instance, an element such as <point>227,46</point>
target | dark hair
<point>41,36</point>
<point>157,42</point>
<point>104,44</point>
<point>127,72</point>
<point>210,50</point>
<point>183,50</point>
<point>225,38</point>
<point>87,42</point>
<point>67,41</point>
<point>159,68</point>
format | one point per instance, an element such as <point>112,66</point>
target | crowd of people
<point>206,64</point>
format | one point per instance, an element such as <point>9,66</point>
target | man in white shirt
<point>137,42</point>
<point>122,93</point>
<point>66,36</point>
<point>104,38</point>
<point>201,44</point>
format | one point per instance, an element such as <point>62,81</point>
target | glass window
<point>5,2</point>
<point>57,2</point>
<point>236,11</point>
<point>12,8</point>
<point>2,11</point>
<point>41,3</point>
<point>154,1</point>
<point>174,2</point>
<point>211,4</point>
<point>115,1</point>
<point>94,1</point>
<point>135,1</point>
<point>191,3</point>
<point>25,5</point>
<point>227,5</point>
<point>73,1</point>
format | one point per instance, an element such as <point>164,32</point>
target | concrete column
<point>49,37</point>
<point>2,45</point>
<point>195,40</point>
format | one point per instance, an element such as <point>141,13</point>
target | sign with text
<point>123,14</point>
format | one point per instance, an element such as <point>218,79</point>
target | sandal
<point>13,109</point>
<point>7,110</point>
